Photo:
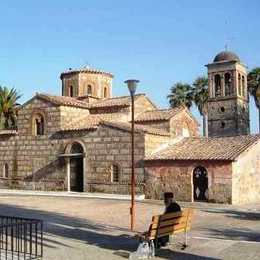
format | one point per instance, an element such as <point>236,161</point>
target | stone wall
<point>110,146</point>
<point>183,125</point>
<point>71,115</point>
<point>142,103</point>
<point>246,177</point>
<point>177,176</point>
<point>155,142</point>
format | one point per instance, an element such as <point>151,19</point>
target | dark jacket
<point>173,207</point>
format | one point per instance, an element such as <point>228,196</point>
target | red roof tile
<point>86,69</point>
<point>159,114</point>
<point>200,148</point>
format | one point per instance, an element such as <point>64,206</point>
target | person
<point>171,206</point>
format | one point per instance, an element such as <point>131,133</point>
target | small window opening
<point>89,90</point>
<point>222,109</point>
<point>5,171</point>
<point>105,92</point>
<point>71,91</point>
<point>114,173</point>
<point>223,124</point>
<point>38,125</point>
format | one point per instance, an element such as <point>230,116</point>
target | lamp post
<point>132,84</point>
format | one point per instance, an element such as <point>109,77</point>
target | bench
<point>169,224</point>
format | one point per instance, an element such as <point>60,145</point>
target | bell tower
<point>228,104</point>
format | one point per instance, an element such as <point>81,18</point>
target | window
<point>222,109</point>
<point>114,173</point>
<point>239,85</point>
<point>105,92</point>
<point>243,86</point>
<point>89,90</point>
<point>5,170</point>
<point>223,124</point>
<point>228,85</point>
<point>38,125</point>
<point>71,91</point>
<point>217,81</point>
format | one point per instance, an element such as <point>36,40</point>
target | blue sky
<point>157,42</point>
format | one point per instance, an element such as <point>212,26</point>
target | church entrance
<point>76,168</point>
<point>200,184</point>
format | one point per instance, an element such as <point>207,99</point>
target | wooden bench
<point>169,224</point>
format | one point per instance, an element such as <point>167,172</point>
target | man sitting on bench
<point>170,207</point>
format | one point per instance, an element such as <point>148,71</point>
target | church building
<point>81,141</point>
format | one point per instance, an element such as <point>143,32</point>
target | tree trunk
<point>205,125</point>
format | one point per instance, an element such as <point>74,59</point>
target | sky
<point>156,42</point>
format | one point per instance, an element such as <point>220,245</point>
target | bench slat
<point>171,222</point>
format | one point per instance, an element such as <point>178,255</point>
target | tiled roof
<point>63,101</point>
<point>75,102</point>
<point>114,102</point>
<point>199,148</point>
<point>158,114</point>
<point>92,122</point>
<point>89,122</point>
<point>86,69</point>
<point>138,128</point>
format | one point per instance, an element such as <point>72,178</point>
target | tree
<point>181,95</point>
<point>8,107</point>
<point>200,98</point>
<point>253,83</point>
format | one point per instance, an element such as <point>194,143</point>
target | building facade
<point>81,141</point>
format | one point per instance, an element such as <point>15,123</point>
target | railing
<point>20,238</point>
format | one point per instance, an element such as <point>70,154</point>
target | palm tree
<point>181,95</point>
<point>200,98</point>
<point>253,83</point>
<point>8,107</point>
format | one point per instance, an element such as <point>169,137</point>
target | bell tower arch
<point>228,104</point>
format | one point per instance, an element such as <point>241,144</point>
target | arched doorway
<point>200,184</point>
<point>76,168</point>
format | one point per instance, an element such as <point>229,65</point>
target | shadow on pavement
<point>241,215</point>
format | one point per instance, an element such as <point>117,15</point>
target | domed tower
<point>228,104</point>
<point>87,83</point>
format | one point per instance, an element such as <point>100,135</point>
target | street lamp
<point>132,84</point>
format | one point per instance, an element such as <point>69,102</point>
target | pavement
<point>94,228</point>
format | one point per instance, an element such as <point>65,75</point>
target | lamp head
<point>132,84</point>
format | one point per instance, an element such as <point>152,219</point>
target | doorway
<point>200,184</point>
<point>76,168</point>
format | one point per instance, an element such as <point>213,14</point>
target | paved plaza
<point>92,228</point>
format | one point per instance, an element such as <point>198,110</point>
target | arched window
<point>228,84</point>
<point>5,171</point>
<point>239,85</point>
<point>38,125</point>
<point>71,91</point>
<point>243,86</point>
<point>105,92</point>
<point>89,90</point>
<point>114,173</point>
<point>217,81</point>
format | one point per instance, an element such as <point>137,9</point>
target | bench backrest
<point>170,223</point>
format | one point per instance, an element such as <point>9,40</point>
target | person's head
<point>168,198</point>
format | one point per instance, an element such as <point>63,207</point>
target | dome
<point>226,56</point>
